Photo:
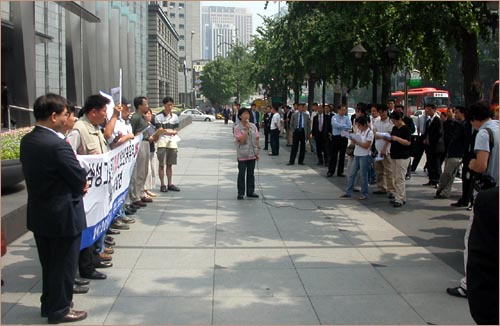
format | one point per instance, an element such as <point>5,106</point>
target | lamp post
<point>358,51</point>
<point>192,99</point>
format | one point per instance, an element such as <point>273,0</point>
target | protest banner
<point>109,177</point>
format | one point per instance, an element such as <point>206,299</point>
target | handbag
<point>350,150</point>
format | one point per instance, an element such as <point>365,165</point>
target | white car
<point>197,115</point>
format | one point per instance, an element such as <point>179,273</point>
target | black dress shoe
<point>71,316</point>
<point>289,163</point>
<point>254,195</point>
<point>95,275</point>
<point>301,163</point>
<point>79,281</point>
<point>329,175</point>
<point>109,242</point>
<point>80,289</point>
<point>136,207</point>
<point>129,211</point>
<point>240,197</point>
<point>103,264</point>
<point>341,175</point>
<point>458,204</point>
<point>112,232</point>
<point>319,163</point>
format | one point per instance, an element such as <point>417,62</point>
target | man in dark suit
<point>433,138</point>
<point>56,184</point>
<point>254,116</point>
<point>266,121</point>
<point>300,124</point>
<point>319,132</point>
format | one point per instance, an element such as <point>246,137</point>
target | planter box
<point>12,173</point>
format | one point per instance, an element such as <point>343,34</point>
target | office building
<point>222,27</point>
<point>185,18</point>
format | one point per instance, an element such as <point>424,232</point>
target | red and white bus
<point>417,97</point>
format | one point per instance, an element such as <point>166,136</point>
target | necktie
<point>300,121</point>
<point>320,122</point>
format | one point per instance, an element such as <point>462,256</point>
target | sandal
<point>362,197</point>
<point>149,193</point>
<point>163,189</point>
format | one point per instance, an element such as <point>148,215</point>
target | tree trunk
<point>310,97</point>
<point>470,68</point>
<point>324,92</point>
<point>374,85</point>
<point>386,83</point>
<point>296,93</point>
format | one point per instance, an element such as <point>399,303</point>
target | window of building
<point>172,15</point>
<point>181,37</point>
<point>181,6</point>
<point>165,3</point>
<point>181,15</point>
<point>181,26</point>
<point>172,5</point>
<point>181,47</point>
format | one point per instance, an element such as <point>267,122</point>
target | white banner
<point>109,177</point>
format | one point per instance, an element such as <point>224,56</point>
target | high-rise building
<point>223,27</point>
<point>185,18</point>
<point>163,58</point>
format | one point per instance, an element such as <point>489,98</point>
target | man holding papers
<point>167,124</point>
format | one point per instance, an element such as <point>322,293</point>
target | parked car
<point>197,115</point>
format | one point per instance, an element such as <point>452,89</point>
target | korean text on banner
<point>109,177</point>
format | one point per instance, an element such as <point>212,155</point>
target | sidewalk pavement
<point>297,255</point>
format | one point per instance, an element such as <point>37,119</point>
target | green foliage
<point>224,78</point>
<point>11,141</point>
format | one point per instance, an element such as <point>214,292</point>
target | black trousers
<point>266,137</point>
<point>299,137</point>
<point>321,150</point>
<point>88,260</point>
<point>338,148</point>
<point>467,191</point>
<point>434,166</point>
<point>275,141</point>
<point>246,168</point>
<point>418,152</point>
<point>59,259</point>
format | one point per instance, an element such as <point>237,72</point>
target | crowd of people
<point>380,143</point>
<point>56,183</point>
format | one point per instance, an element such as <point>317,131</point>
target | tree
<point>214,81</point>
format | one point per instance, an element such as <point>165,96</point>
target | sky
<point>256,7</point>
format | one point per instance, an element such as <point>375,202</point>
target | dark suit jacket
<point>55,183</point>
<point>253,119</point>
<point>327,128</point>
<point>267,121</point>
<point>436,136</point>
<point>315,126</point>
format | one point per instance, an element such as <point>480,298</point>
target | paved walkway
<point>297,255</point>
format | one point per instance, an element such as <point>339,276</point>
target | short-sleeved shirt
<point>366,135</point>
<point>120,126</point>
<point>384,126</point>
<point>483,144</point>
<point>398,150</point>
<point>275,121</point>
<point>167,122</point>
<point>138,123</point>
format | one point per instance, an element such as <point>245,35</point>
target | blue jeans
<point>361,164</point>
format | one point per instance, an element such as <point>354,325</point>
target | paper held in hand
<point>385,135</point>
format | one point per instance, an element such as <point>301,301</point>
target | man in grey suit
<point>300,126</point>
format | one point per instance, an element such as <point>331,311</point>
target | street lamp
<point>358,51</point>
